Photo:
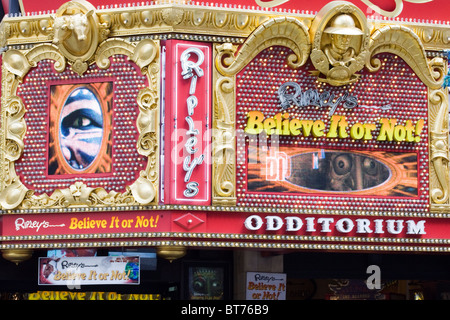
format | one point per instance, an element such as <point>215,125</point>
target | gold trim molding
<point>17,63</point>
<point>191,19</point>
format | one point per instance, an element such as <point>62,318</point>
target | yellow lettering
<point>318,128</point>
<point>387,129</point>
<point>73,223</point>
<point>306,127</point>
<point>332,133</point>
<point>357,131</point>
<point>294,127</point>
<point>254,122</point>
<point>269,125</point>
<point>368,127</point>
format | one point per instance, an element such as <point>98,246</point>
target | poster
<point>76,271</point>
<point>206,283</point>
<point>266,286</point>
<point>80,128</point>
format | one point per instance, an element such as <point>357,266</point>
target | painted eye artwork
<point>81,128</point>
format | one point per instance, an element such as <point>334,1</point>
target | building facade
<point>225,140</point>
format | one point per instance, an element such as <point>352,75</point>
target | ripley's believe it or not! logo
<point>290,94</point>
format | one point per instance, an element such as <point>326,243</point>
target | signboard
<point>187,108</point>
<point>266,286</point>
<point>307,143</point>
<point>401,8</point>
<point>90,295</point>
<point>83,223</point>
<point>297,229</point>
<point>315,147</point>
<point>73,271</point>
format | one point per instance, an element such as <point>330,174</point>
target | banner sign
<point>187,127</point>
<point>74,271</point>
<point>266,286</point>
<point>88,223</point>
<point>306,229</point>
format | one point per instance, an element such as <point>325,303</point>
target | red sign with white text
<point>187,153</point>
<point>419,233</point>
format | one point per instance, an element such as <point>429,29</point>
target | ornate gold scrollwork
<point>439,135</point>
<point>224,166</point>
<point>77,32</point>
<point>336,18</point>
<point>16,65</point>
<point>286,31</point>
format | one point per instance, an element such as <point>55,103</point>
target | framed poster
<point>206,281</point>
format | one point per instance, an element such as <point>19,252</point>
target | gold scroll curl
<point>285,31</point>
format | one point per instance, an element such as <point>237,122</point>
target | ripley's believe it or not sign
<point>188,125</point>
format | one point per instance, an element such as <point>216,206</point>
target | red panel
<point>187,123</point>
<point>237,226</point>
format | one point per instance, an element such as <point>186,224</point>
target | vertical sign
<point>187,153</point>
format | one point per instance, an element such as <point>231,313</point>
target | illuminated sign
<point>187,125</point>
<point>282,124</point>
<point>342,225</point>
<point>306,143</point>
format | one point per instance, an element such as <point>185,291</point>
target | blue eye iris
<point>81,119</point>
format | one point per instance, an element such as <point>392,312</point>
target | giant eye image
<point>337,171</point>
<point>81,128</point>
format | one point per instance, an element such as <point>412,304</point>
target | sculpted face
<point>341,41</point>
